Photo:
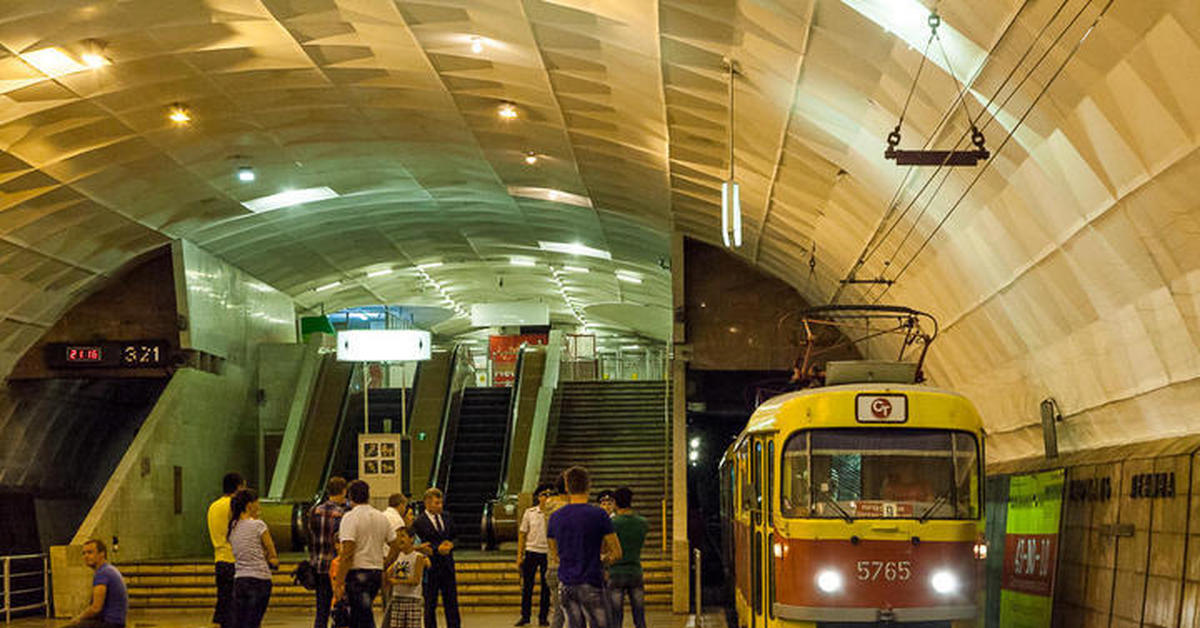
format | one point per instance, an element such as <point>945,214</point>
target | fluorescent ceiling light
<point>549,194</point>
<point>245,174</point>
<point>574,249</point>
<point>523,261</point>
<point>289,198</point>
<point>380,273</point>
<point>53,62</point>
<point>95,60</point>
<point>576,269</point>
<point>328,286</point>
<point>625,275</point>
<point>429,265</point>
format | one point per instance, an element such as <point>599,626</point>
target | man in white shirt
<point>531,557</point>
<point>364,533</point>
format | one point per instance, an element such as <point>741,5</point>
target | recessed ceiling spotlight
<point>179,114</point>
<point>245,174</point>
<point>507,112</point>
<point>531,158</point>
<point>476,45</point>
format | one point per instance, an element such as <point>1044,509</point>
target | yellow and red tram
<point>856,504</point>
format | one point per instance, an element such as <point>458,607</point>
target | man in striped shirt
<point>323,523</point>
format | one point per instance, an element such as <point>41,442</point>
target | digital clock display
<point>109,354</point>
<point>90,354</point>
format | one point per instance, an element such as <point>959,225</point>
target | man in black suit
<point>437,533</point>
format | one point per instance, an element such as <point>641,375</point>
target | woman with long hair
<point>254,558</point>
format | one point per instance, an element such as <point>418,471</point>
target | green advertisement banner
<point>1034,512</point>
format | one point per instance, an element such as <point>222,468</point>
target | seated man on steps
<point>109,600</point>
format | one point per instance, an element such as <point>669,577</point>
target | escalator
<point>476,459</point>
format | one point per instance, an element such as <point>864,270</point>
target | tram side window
<point>793,480</point>
<point>747,487</point>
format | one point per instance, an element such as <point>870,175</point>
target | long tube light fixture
<point>731,197</point>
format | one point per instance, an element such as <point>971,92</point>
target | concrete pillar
<point>678,380</point>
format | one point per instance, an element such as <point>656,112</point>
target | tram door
<point>762,566</point>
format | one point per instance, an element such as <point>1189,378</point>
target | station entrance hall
<point>599,313</point>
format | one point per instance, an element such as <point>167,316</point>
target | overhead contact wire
<point>986,109</point>
<point>1007,138</point>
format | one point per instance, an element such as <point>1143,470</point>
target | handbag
<point>305,575</point>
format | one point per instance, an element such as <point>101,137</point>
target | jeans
<point>634,587</point>
<point>362,585</point>
<point>585,603</point>
<point>443,580</point>
<point>324,600</point>
<point>250,596</point>
<point>557,619</point>
<point>223,614</point>
<point>534,563</point>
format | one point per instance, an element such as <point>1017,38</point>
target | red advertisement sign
<point>1029,561</point>
<point>503,352</point>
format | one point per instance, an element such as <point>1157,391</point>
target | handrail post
<point>664,525</point>
<point>698,589</point>
<point>46,582</point>
<point>7,589</point>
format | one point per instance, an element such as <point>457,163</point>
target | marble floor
<point>301,619</point>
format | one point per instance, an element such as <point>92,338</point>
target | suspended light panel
<point>731,214</point>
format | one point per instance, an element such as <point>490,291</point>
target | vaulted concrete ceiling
<point>1069,268</point>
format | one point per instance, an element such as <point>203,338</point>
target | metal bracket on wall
<point>1117,529</point>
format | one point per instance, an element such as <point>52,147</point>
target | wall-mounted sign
<point>383,345</point>
<point>1152,485</point>
<point>114,354</point>
<point>503,351</point>
<point>1090,490</point>
<point>1031,549</point>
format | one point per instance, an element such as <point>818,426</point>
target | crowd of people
<point>586,559</point>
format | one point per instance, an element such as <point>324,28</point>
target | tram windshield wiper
<point>932,507</point>
<point>841,511</point>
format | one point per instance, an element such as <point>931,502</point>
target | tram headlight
<point>829,581</point>
<point>944,582</point>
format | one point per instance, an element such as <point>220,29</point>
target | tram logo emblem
<point>882,408</point>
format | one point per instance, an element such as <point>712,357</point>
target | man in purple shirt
<point>109,600</point>
<point>582,537</point>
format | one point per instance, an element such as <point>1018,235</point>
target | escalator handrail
<point>511,426</point>
<point>336,442</point>
<point>450,411</point>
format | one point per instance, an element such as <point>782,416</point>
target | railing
<point>697,618</point>
<point>6,579</point>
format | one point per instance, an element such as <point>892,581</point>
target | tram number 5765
<point>890,570</point>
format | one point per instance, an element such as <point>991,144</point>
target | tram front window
<point>879,473</point>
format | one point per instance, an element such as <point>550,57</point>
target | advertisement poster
<point>1035,505</point>
<point>503,352</point>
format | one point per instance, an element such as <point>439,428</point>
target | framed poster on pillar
<point>379,465</point>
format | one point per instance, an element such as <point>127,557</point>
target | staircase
<point>617,431</point>
<point>476,460</point>
<point>483,585</point>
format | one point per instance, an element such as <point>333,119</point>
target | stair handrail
<point>460,357</point>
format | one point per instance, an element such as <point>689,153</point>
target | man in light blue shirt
<point>110,603</point>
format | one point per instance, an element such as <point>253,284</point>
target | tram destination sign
<point>136,354</point>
